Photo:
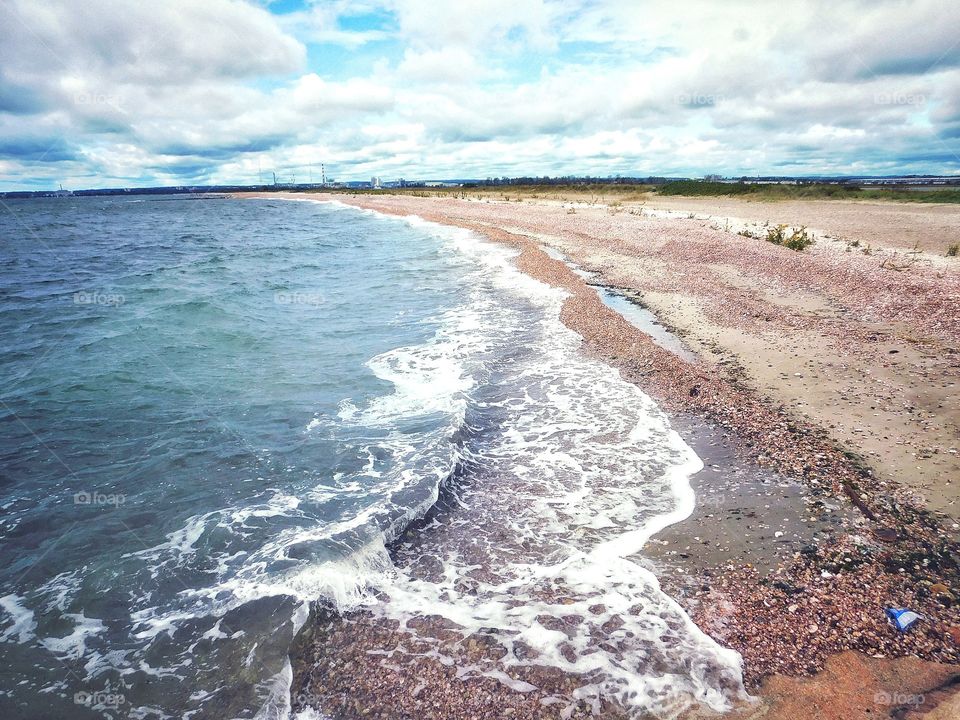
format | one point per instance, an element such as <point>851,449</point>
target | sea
<point>220,414</point>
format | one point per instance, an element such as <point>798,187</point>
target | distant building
<point>375,183</point>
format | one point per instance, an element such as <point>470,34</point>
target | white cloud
<point>168,43</point>
<point>886,39</point>
<point>138,92</point>
<point>475,24</point>
<point>312,94</point>
<point>443,65</point>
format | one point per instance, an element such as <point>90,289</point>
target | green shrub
<point>771,191</point>
<point>798,240</point>
<point>776,234</point>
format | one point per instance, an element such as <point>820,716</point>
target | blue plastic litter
<point>902,618</point>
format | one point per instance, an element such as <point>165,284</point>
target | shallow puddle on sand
<point>628,305</point>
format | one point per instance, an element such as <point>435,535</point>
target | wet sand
<point>853,539</point>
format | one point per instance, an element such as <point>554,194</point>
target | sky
<point>110,93</point>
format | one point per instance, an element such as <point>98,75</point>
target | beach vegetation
<point>798,239</point>
<point>895,263</point>
<point>953,250</point>
<point>776,234</point>
<point>611,191</point>
<point>812,191</point>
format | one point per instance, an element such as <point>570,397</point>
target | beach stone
<point>886,534</point>
<point>954,633</point>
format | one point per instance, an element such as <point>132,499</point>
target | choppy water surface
<point>216,412</point>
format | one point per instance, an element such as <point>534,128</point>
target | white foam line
<point>24,623</point>
<point>630,543</point>
<point>597,471</point>
<point>74,645</point>
<point>602,573</point>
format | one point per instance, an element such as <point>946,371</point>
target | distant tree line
<point>568,180</point>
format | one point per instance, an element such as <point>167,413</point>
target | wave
<point>570,471</point>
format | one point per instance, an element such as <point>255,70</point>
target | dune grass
<point>812,191</point>
<point>615,194</point>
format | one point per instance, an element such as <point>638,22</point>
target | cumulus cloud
<point>475,24</point>
<point>443,65</point>
<point>124,92</point>
<point>888,40</point>
<point>117,41</point>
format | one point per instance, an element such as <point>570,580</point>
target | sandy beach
<point>880,224</point>
<point>823,398</point>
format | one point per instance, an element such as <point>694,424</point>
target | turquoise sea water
<point>215,412</point>
<point>173,373</point>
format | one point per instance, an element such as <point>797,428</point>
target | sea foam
<point>583,471</point>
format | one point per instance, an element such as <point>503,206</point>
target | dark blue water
<point>180,461</point>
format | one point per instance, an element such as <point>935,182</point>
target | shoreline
<point>823,585</point>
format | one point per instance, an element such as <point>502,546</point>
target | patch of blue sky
<point>336,61</point>
<point>377,20</point>
<point>282,7</point>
